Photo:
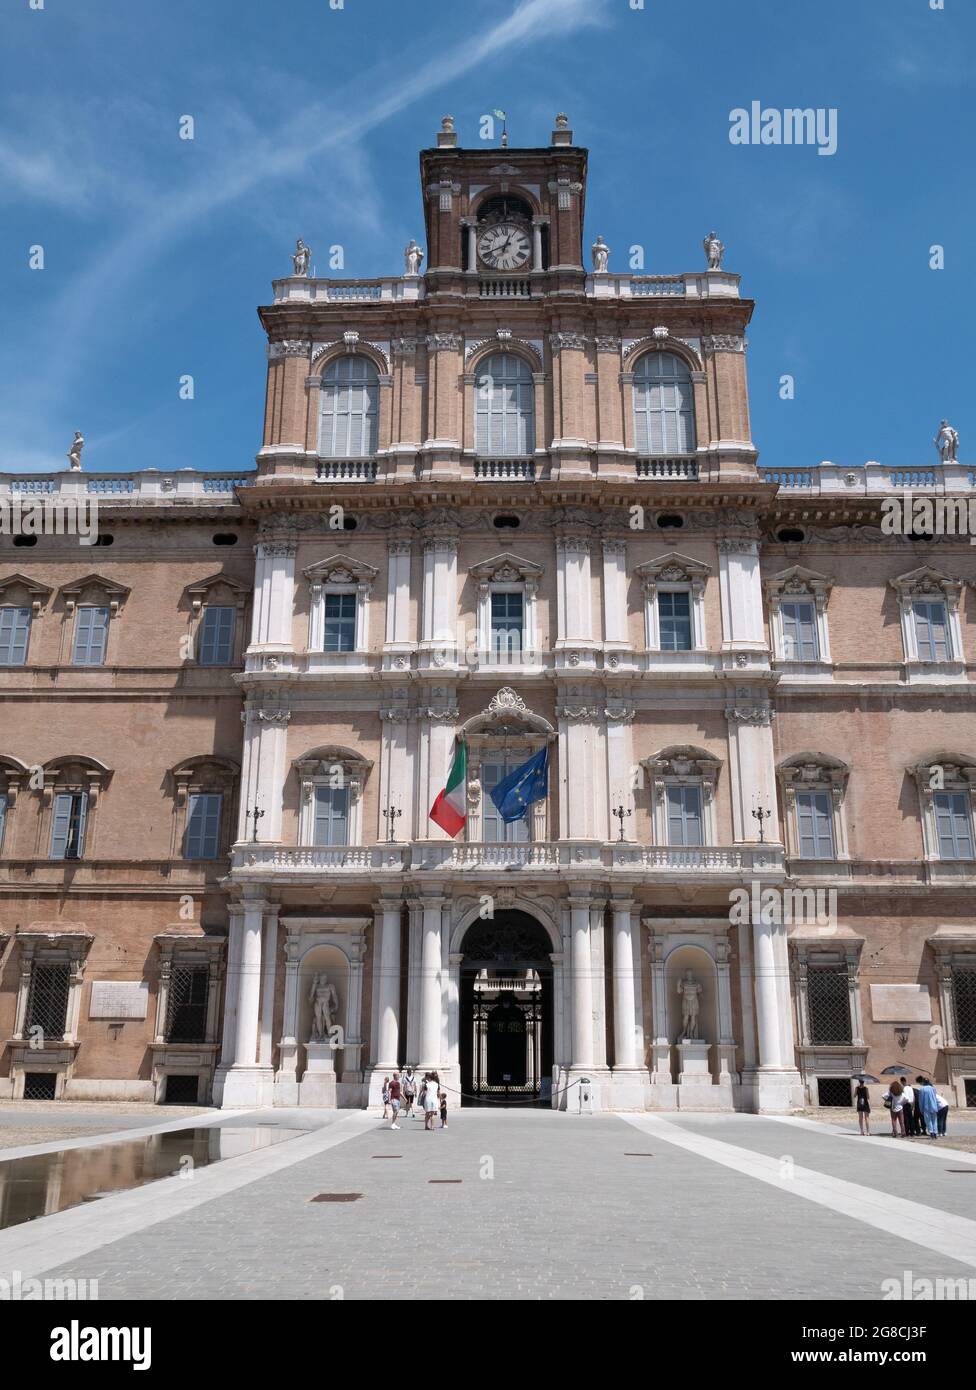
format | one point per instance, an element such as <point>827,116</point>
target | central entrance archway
<point>506,1009</point>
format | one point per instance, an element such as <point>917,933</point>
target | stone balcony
<point>149,486</point>
<point>869,479</point>
<point>704,284</point>
<point>391,289</point>
<point>621,859</point>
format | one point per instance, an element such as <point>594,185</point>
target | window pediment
<point>95,587</point>
<point>672,568</point>
<point>507,715</point>
<point>926,582</point>
<point>204,773</point>
<point>685,763</point>
<point>797,582</point>
<point>506,568</point>
<point>944,772</point>
<point>813,772</point>
<point>206,590</point>
<point>341,569</point>
<point>35,594</point>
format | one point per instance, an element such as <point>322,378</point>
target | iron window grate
<point>834,1091</point>
<point>47,1003</point>
<point>40,1085</point>
<point>829,1003</point>
<point>188,993</point>
<point>182,1090</point>
<point>964,1002</point>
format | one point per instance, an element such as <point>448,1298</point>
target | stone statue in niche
<point>325,1005</point>
<point>690,992</point>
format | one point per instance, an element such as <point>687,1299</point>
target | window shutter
<point>799,631</point>
<point>504,407</point>
<point>815,825</point>
<point>331,816</point>
<point>349,398</point>
<point>217,636</point>
<point>14,635</point>
<point>953,825</point>
<point>663,405</point>
<point>684,816</point>
<point>202,839</point>
<point>61,821</point>
<point>3,817</point>
<point>68,825</point>
<point>931,630</point>
<point>91,628</point>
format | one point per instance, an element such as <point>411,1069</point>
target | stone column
<point>269,953</point>
<point>582,994</point>
<point>274,597</point>
<point>430,985</point>
<point>624,994</point>
<point>246,1082</point>
<point>537,225</point>
<point>776,1085</point>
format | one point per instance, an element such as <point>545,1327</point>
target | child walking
<point>442,1097</point>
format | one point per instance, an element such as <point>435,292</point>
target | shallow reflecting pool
<point>45,1183</point>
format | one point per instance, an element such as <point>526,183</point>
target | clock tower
<point>504,222</point>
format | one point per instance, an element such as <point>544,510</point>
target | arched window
<point>664,412</point>
<point>350,407</point>
<point>504,407</point>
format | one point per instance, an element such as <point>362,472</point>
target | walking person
<point>941,1114</point>
<point>395,1095</point>
<point>928,1107</point>
<point>442,1097</point>
<point>431,1087</point>
<point>908,1108</point>
<point>893,1102</point>
<point>863,1103</point>
<point>386,1096</point>
<point>409,1083</point>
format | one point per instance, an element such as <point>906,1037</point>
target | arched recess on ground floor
<point>506,967</point>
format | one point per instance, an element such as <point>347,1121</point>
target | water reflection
<point>45,1183</point>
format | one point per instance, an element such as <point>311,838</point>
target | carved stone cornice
<point>289,347</point>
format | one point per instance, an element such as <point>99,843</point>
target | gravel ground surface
<point>37,1122</point>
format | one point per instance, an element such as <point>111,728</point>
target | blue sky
<point>308,121</point>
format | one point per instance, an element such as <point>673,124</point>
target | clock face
<point>504,246</point>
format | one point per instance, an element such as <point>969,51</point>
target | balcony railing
<point>345,471</point>
<point>504,289</point>
<point>141,487</point>
<point>871,478</point>
<point>387,289</point>
<point>680,468</point>
<point>711,284</point>
<point>546,856</point>
<point>507,470</point>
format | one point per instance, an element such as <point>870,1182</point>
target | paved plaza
<point>522,1205</point>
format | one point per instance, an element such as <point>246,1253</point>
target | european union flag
<point>515,793</point>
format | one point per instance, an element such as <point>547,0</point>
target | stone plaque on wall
<point>901,1004</point>
<point>118,999</point>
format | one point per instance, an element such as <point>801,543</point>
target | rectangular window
<point>340,622</point>
<point>829,1003</point>
<point>202,840</point>
<point>674,618</point>
<point>494,829</point>
<point>964,1003</point>
<point>931,630</point>
<point>188,990</point>
<point>507,622</point>
<point>47,1001</point>
<point>799,630</point>
<point>815,825</point>
<point>216,636</point>
<point>68,826</point>
<point>91,636</point>
<point>14,635</point>
<point>331,825</point>
<point>953,824</point>
<point>684,816</point>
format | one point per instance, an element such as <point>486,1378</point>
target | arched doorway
<point>506,1012</point>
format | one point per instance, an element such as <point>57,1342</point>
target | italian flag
<point>448,811</point>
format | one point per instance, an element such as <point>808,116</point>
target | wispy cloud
<point>258,157</point>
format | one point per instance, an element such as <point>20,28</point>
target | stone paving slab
<point>897,1170</point>
<point>550,1207</point>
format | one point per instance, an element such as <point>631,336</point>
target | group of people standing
<point>916,1111</point>
<point>402,1091</point>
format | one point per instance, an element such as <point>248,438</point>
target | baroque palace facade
<point>513,500</point>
